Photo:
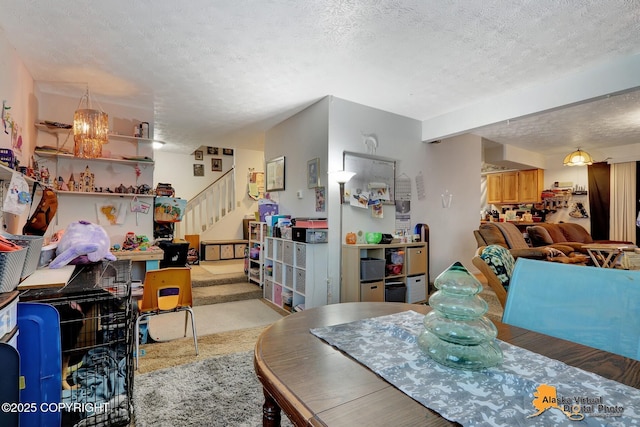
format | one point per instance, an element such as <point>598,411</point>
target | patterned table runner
<point>528,389</point>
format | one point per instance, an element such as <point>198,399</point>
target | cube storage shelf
<point>218,250</point>
<point>395,272</point>
<point>295,275</point>
<point>257,234</point>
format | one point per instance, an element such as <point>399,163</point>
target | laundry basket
<point>11,264</point>
<point>34,247</point>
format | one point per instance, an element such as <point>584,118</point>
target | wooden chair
<point>166,290</point>
<point>492,279</point>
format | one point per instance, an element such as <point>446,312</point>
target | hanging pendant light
<point>90,129</point>
<point>578,158</point>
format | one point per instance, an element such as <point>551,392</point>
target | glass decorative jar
<point>456,332</point>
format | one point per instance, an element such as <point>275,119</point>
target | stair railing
<point>209,206</point>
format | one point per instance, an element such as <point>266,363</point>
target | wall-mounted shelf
<point>6,174</point>
<point>59,131</point>
<point>130,160</point>
<point>89,193</point>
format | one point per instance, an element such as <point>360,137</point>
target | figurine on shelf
<point>130,243</point>
<point>44,175</point>
<point>86,180</point>
<point>71,183</point>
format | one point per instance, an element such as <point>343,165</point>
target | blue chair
<point>597,307</point>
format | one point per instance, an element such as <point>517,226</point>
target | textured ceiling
<point>208,68</point>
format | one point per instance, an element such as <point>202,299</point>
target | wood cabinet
<point>515,187</point>
<point>295,276</point>
<point>370,272</point>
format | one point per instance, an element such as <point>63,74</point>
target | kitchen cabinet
<point>515,187</point>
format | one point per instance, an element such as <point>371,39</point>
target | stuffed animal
<point>82,239</point>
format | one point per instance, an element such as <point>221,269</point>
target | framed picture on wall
<point>198,155</point>
<point>313,179</point>
<point>216,165</point>
<point>198,169</point>
<point>212,150</point>
<point>227,151</point>
<point>275,174</point>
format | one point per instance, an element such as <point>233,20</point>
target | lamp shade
<point>90,129</point>
<point>342,177</point>
<point>578,158</point>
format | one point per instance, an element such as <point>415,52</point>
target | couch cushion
<point>575,232</point>
<point>539,235</point>
<point>500,261</point>
<point>491,235</point>
<point>554,231</point>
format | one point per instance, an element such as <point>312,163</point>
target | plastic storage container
<point>396,292</point>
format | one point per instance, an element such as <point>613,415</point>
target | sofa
<point>565,233</point>
<point>509,236</point>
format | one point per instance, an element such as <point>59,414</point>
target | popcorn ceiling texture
<point>207,67</point>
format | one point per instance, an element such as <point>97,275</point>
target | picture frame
<point>198,169</point>
<point>212,150</point>
<point>216,165</point>
<point>198,154</point>
<point>275,175</point>
<point>227,151</point>
<point>313,176</point>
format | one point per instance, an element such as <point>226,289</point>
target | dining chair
<point>597,307</point>
<point>166,290</point>
<point>496,264</point>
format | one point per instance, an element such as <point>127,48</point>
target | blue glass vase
<point>456,332</point>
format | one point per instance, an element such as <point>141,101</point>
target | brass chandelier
<point>90,129</point>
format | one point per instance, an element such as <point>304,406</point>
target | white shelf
<point>51,154</point>
<point>90,193</point>
<point>57,131</point>
<point>6,174</point>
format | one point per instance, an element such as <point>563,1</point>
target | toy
<point>82,239</point>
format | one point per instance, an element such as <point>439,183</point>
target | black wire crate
<point>96,331</point>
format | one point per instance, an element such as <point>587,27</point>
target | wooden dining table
<point>316,384</point>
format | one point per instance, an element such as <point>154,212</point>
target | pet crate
<point>96,328</point>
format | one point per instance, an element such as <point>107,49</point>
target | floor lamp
<point>341,177</point>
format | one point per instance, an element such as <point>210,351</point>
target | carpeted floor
<point>215,391</point>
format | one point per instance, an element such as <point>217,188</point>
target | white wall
<point>300,138</point>
<point>16,87</point>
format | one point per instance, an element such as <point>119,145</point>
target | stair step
<point>239,291</point>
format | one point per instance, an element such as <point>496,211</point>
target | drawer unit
<point>288,278</point>
<point>416,261</point>
<point>300,280</point>
<point>287,254</point>
<point>301,255</point>
<point>372,291</point>
<point>268,290</point>
<point>8,312</point>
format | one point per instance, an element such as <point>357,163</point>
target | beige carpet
<point>213,319</point>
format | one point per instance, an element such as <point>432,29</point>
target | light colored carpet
<point>216,391</point>
<point>213,319</point>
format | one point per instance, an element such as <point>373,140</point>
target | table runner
<point>501,396</point>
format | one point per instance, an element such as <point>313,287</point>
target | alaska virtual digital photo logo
<point>575,408</point>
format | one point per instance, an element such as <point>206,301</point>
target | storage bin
<point>371,269</point>
<point>8,312</point>
<point>11,265</point>
<point>395,292</point>
<point>416,289</point>
<point>416,261</point>
<point>372,291</point>
<point>34,247</point>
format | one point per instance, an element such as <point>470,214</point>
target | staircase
<point>209,206</point>
<point>221,281</point>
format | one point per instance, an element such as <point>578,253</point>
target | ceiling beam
<point>614,77</point>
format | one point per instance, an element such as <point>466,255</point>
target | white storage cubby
<point>257,234</point>
<point>296,270</point>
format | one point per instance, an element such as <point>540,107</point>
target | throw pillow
<point>500,261</point>
<point>539,236</point>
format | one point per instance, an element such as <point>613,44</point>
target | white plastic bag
<point>18,196</point>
